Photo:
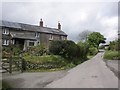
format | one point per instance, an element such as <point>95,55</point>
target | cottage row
<point>25,35</point>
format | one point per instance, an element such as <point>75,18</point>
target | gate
<point>12,64</point>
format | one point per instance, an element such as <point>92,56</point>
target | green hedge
<point>93,51</point>
<point>112,55</point>
<point>44,62</point>
<point>72,52</point>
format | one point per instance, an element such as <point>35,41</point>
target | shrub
<point>93,51</point>
<point>102,47</point>
<point>112,55</point>
<point>66,49</point>
<point>56,47</point>
<point>84,48</point>
<point>36,50</point>
<point>114,45</point>
<point>11,50</point>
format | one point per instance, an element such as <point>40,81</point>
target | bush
<point>11,50</point>
<point>36,50</point>
<point>93,51</point>
<point>84,48</point>
<point>114,45</point>
<point>66,49</point>
<point>102,47</point>
<point>112,55</point>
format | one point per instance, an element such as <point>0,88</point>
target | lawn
<point>111,55</point>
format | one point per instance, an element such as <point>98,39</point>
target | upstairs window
<point>5,31</point>
<point>62,37</point>
<point>36,34</point>
<point>51,37</point>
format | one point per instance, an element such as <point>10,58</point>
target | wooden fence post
<point>10,65</point>
<point>23,63</point>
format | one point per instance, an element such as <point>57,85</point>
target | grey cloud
<point>67,13</point>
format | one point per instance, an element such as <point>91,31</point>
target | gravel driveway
<point>32,80</point>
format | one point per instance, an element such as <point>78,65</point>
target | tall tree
<point>95,38</point>
<point>83,35</point>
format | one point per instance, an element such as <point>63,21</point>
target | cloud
<point>74,16</point>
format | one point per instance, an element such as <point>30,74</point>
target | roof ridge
<point>30,27</point>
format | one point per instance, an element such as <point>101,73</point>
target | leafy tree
<point>84,48</point>
<point>114,45</point>
<point>83,35</point>
<point>95,38</point>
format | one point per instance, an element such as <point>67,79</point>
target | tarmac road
<point>32,80</point>
<point>91,74</point>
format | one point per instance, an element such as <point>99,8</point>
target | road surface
<point>91,74</point>
<point>32,79</point>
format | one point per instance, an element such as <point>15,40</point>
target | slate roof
<point>28,27</point>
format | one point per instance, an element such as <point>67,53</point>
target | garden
<point>59,55</point>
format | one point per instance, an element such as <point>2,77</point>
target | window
<point>36,34</point>
<point>13,41</point>
<point>5,42</point>
<point>51,37</point>
<point>62,37</point>
<point>31,43</point>
<point>5,31</point>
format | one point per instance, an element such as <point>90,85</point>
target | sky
<point>74,16</point>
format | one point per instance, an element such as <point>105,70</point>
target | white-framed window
<point>5,31</point>
<point>31,43</point>
<point>13,41</point>
<point>51,37</point>
<point>36,34</point>
<point>5,42</point>
<point>63,37</point>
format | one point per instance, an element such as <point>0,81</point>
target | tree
<point>95,38</point>
<point>83,35</point>
<point>84,48</point>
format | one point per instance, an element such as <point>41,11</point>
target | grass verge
<point>112,55</point>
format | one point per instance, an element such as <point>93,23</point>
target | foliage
<point>36,50</point>
<point>95,38</point>
<point>114,45</point>
<point>93,51</point>
<point>67,49</point>
<point>43,59</point>
<point>112,55</point>
<point>56,47</point>
<point>84,48</point>
<point>11,50</point>
<point>44,62</point>
<point>102,47</point>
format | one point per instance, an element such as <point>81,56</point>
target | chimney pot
<point>41,23</point>
<point>59,26</point>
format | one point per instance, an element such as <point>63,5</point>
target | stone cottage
<point>26,35</point>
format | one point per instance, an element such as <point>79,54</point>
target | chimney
<point>41,23</point>
<point>59,26</point>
